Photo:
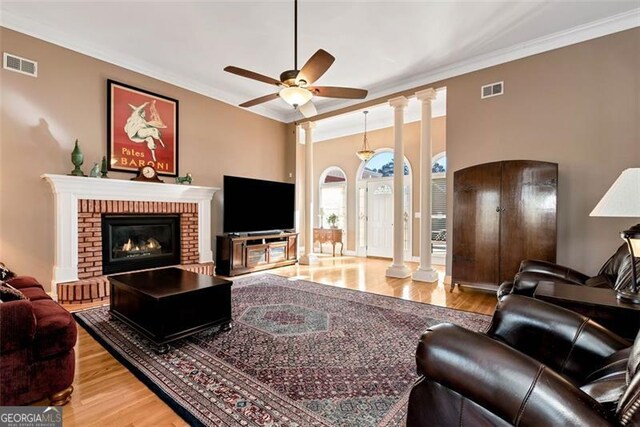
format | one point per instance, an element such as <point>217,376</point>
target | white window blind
<point>439,209</point>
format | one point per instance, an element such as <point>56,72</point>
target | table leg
<point>334,248</point>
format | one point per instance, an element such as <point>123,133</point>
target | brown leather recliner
<point>532,272</point>
<point>538,365</point>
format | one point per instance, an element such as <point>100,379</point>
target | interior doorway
<point>380,218</point>
<point>374,204</point>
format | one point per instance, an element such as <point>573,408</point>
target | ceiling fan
<point>296,85</point>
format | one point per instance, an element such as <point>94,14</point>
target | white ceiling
<point>382,46</point>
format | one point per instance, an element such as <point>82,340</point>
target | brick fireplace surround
<point>90,231</point>
<point>79,205</point>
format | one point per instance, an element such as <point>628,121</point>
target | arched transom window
<point>381,166</point>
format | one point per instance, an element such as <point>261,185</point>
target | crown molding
<point>331,128</point>
<point>581,33</point>
<point>595,29</point>
<point>49,34</point>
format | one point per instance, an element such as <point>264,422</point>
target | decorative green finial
<point>103,168</point>
<point>77,158</point>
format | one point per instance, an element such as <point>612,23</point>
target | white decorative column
<point>397,268</point>
<point>308,257</point>
<point>425,272</point>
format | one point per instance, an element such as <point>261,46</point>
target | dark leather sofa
<point>532,272</point>
<point>37,337</point>
<point>538,365</point>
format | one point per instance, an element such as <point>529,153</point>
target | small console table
<point>244,254</point>
<point>332,235</point>
<point>600,304</point>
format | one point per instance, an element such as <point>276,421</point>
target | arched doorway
<point>374,205</point>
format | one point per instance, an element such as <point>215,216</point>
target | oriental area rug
<point>299,354</point>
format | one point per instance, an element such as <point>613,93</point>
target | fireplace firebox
<point>136,242</point>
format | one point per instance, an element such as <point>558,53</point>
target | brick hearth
<point>93,285</point>
<point>97,288</point>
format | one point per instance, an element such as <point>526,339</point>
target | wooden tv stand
<point>245,254</point>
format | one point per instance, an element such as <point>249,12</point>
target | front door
<point>380,218</point>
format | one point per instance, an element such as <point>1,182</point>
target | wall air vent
<point>493,89</point>
<point>20,65</point>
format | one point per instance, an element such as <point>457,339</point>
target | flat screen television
<point>255,205</point>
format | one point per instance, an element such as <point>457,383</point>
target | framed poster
<point>142,129</point>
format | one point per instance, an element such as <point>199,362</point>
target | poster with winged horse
<point>142,130</point>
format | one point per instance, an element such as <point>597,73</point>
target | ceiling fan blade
<point>316,66</point>
<point>260,100</point>
<point>251,75</point>
<point>308,109</point>
<point>338,92</point>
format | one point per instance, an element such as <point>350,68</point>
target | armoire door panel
<point>528,215</point>
<point>503,212</point>
<point>476,223</point>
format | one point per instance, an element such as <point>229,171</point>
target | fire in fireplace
<point>135,242</point>
<point>142,246</point>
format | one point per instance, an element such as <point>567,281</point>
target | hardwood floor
<point>107,394</point>
<point>368,274</point>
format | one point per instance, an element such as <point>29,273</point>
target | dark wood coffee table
<point>170,303</point>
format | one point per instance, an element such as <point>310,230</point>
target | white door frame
<point>361,250</point>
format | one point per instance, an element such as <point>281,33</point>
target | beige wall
<point>41,118</point>
<point>576,106</point>
<point>341,152</point>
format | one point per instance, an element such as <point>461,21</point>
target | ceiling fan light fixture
<point>296,84</point>
<point>295,96</point>
<point>366,153</point>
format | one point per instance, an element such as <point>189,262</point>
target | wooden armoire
<point>503,212</point>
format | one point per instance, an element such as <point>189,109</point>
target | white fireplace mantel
<point>68,190</point>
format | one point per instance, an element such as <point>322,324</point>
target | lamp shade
<point>632,237</point>
<point>623,198</point>
<point>366,153</point>
<point>295,96</point>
